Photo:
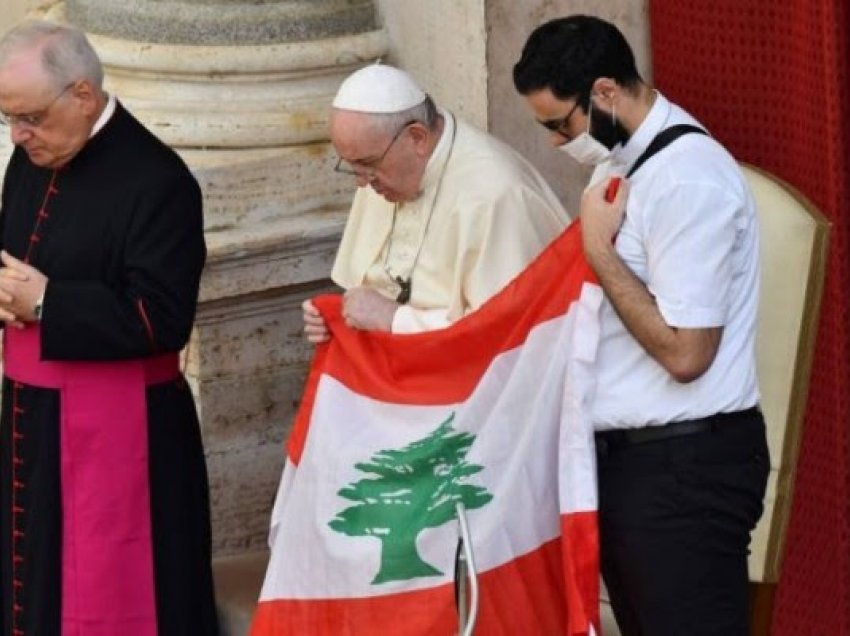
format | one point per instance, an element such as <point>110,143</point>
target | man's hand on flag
<point>601,219</point>
<point>314,325</point>
<point>364,308</point>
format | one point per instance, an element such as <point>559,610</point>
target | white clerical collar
<point>433,169</point>
<point>652,124</point>
<point>108,111</point>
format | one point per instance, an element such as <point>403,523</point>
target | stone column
<point>216,22</point>
<point>242,90</point>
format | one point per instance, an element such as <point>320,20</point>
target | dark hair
<point>567,55</point>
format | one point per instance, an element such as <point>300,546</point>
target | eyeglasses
<point>559,125</point>
<point>32,120</point>
<point>368,168</point>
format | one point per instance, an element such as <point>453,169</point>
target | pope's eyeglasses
<point>368,168</point>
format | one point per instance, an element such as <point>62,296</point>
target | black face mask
<point>602,128</point>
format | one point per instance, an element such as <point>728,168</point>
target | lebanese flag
<point>394,429</point>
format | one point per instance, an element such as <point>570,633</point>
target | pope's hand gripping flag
<point>393,430</point>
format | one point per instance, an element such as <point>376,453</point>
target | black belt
<point>633,436</point>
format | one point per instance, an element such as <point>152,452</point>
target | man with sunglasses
<point>104,513</point>
<point>682,456</point>
<point>444,214</point>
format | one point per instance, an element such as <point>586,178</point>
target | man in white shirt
<point>444,215</point>
<point>682,456</point>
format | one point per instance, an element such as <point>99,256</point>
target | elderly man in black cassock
<point>104,511</point>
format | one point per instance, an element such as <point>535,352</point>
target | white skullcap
<point>378,88</point>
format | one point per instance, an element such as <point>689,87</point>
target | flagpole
<point>466,619</point>
<point>460,586</point>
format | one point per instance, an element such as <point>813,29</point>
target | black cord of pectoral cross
<point>406,284</point>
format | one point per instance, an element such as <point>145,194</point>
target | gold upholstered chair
<point>794,238</point>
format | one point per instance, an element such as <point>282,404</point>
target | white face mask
<point>585,149</point>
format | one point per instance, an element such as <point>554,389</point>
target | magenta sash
<point>107,554</point>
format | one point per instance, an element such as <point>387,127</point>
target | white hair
<point>390,123</point>
<point>66,54</point>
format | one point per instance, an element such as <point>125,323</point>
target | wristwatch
<point>37,309</point>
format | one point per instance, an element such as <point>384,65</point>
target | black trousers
<point>675,521</point>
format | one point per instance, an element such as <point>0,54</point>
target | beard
<point>603,129</point>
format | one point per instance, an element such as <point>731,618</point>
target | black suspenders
<point>662,140</point>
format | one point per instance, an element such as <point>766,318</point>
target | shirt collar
<point>653,123</point>
<point>435,162</point>
<point>108,111</point>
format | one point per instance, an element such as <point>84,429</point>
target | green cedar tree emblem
<point>416,488</point>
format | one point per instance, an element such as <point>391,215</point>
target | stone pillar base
<point>248,358</point>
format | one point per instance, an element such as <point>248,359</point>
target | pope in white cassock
<point>444,218</point>
<point>444,215</point>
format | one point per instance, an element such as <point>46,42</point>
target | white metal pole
<point>468,618</point>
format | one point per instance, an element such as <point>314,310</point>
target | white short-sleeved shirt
<point>691,235</point>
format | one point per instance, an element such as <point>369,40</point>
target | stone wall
<point>463,53</point>
<point>443,44</point>
<point>508,24</point>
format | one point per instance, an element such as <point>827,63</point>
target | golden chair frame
<point>794,239</point>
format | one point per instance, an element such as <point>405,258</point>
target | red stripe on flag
<point>298,436</point>
<point>413,369</point>
<point>444,367</point>
<point>516,598</point>
<point>413,613</point>
<point>580,534</point>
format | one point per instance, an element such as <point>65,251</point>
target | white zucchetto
<point>378,88</point>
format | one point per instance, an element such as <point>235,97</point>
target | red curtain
<point>770,80</point>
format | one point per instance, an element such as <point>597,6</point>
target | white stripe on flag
<point>515,413</point>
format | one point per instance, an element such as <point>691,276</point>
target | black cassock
<point>118,232</point>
